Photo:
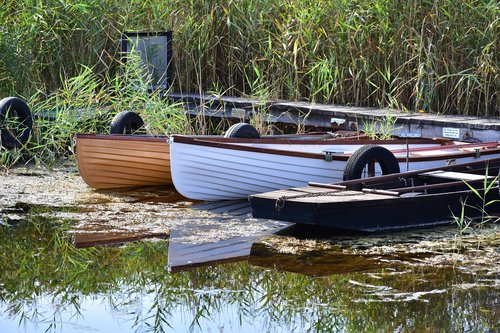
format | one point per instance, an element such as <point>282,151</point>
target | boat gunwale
<point>348,184</point>
<point>232,144</point>
<point>123,137</point>
<point>165,138</point>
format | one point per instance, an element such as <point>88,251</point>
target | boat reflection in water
<point>288,281</point>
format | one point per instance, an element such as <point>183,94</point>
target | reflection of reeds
<point>45,278</point>
<point>438,56</point>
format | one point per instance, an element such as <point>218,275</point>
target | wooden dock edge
<point>325,116</point>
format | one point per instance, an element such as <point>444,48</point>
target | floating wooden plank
<point>82,240</point>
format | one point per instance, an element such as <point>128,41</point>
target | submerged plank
<point>82,240</point>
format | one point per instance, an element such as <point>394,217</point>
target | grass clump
<point>382,128</point>
<point>87,103</point>
<point>466,224</point>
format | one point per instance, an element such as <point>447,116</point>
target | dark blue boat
<point>392,202</point>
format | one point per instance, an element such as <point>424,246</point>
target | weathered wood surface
<point>401,203</point>
<point>320,195</point>
<point>327,116</point>
<point>82,240</point>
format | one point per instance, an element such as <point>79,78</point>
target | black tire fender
<point>126,122</point>
<point>15,107</point>
<point>242,130</point>
<point>370,153</point>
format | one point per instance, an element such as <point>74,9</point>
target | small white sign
<point>452,133</point>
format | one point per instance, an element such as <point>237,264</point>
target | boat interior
<point>460,177</point>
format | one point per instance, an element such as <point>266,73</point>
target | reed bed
<point>432,56</point>
<point>436,56</point>
<point>63,57</point>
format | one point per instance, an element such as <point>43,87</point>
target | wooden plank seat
<point>455,175</point>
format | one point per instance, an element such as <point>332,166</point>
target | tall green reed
<point>436,56</point>
<point>87,103</point>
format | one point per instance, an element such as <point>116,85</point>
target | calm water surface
<point>295,280</point>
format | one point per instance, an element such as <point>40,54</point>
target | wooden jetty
<point>324,116</point>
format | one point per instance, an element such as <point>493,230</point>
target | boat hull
<point>207,171</point>
<point>405,200</point>
<point>375,212</point>
<point>121,161</point>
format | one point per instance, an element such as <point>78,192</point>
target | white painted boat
<point>227,169</point>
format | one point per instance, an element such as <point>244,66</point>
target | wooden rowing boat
<point>397,201</point>
<point>227,169</point>
<point>110,161</point>
<point>118,161</point>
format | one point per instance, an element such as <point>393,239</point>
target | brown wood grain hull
<point>107,162</point>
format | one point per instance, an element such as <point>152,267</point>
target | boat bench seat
<point>455,175</point>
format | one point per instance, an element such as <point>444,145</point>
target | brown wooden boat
<point>119,161</point>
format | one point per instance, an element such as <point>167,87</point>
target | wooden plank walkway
<point>331,116</point>
<point>321,195</point>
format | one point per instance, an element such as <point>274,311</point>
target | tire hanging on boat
<point>370,154</point>
<point>126,122</point>
<point>16,123</point>
<point>242,130</point>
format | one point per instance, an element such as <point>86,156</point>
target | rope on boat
<point>280,202</point>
